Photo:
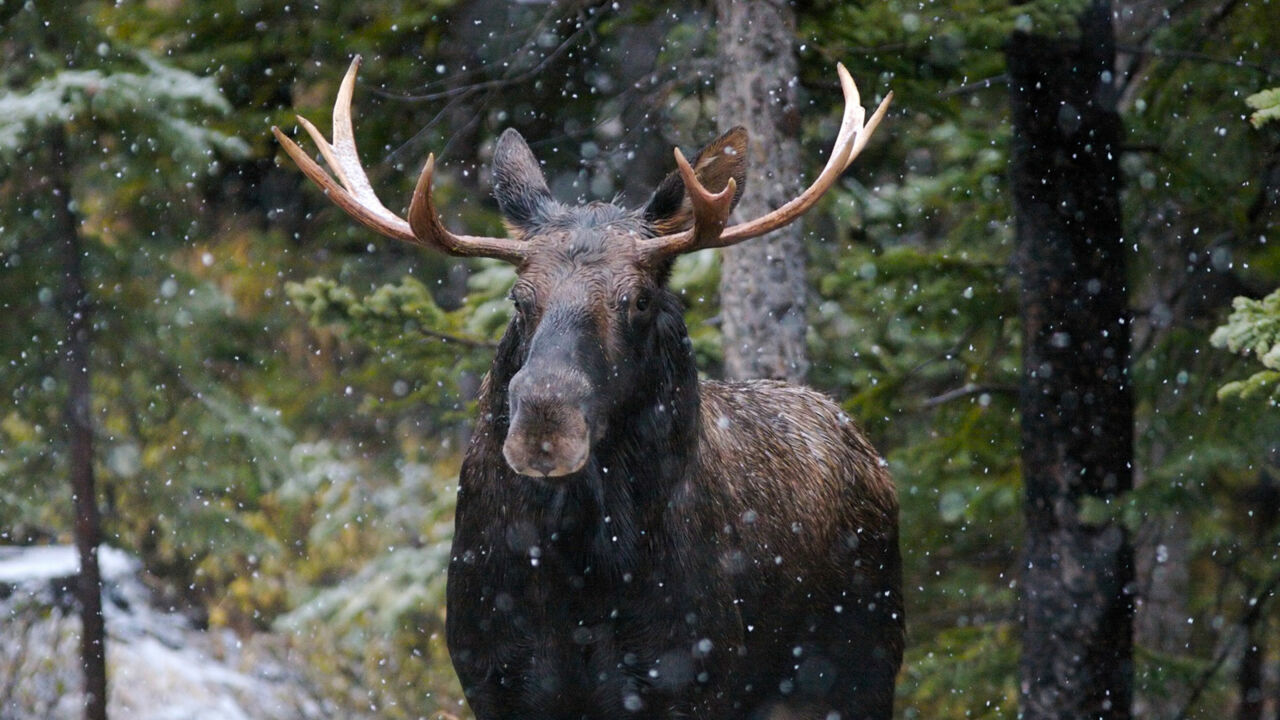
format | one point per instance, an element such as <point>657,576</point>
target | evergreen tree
<point>1076,399</point>
<point>55,119</point>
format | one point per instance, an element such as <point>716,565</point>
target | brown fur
<point>721,550</point>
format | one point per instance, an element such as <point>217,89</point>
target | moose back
<point>631,541</point>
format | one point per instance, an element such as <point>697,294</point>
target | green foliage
<point>917,332</point>
<point>967,671</point>
<point>917,329</point>
<point>409,335</point>
<point>375,636</point>
<point>160,99</point>
<point>1266,106</point>
<point>1253,328</point>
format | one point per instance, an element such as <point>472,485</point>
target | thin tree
<point>1077,405</point>
<point>57,114</point>
<point>79,428</point>
<point>762,283</point>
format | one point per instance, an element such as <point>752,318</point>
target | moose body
<point>631,541</point>
<point>740,559</point>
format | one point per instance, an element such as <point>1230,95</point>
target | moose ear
<point>670,211</point>
<point>518,183</point>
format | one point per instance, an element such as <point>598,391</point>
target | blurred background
<point>279,398</point>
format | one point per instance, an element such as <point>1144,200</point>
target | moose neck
<point>648,448</point>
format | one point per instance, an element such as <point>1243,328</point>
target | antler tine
<point>356,196</point>
<point>710,210</point>
<point>426,224</point>
<point>850,89</point>
<point>338,194</point>
<point>850,140</point>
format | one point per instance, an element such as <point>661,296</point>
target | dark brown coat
<point>634,542</point>
<point>630,541</point>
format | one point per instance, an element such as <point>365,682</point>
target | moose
<point>630,540</point>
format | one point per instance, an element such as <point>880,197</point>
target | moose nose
<point>548,436</point>
<point>545,458</point>
<point>547,449</point>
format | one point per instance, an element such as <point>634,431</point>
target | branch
<point>1136,148</point>
<point>1193,55</point>
<point>967,390</point>
<point>499,82</point>
<point>1255,606</point>
<point>7,698</point>
<point>528,43</point>
<point>491,88</point>
<point>463,341</point>
<point>983,84</point>
<point>1136,74</point>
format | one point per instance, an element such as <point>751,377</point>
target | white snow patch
<point>160,666</point>
<point>22,565</point>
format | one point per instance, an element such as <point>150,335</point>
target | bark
<point>1077,405</point>
<point>762,282</point>
<point>80,440</point>
<point>1275,689</point>
<point>1250,677</point>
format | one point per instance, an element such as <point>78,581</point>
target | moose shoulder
<point>631,541</point>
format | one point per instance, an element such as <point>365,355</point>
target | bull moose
<point>632,541</point>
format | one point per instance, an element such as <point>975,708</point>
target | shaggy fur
<point>728,550</point>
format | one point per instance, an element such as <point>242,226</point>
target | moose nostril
<point>544,464</point>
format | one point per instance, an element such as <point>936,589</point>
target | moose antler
<point>711,210</point>
<point>356,196</point>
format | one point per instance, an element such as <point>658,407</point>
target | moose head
<point>592,307</point>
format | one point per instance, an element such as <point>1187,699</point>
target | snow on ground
<point>160,666</point>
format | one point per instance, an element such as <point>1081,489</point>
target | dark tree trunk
<point>1251,697</point>
<point>80,441</point>
<point>762,282</point>
<point>1077,406</point>
<point>1263,501</point>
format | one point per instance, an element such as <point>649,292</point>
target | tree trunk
<point>1250,677</point>
<point>1077,406</point>
<point>762,282</point>
<point>80,441</point>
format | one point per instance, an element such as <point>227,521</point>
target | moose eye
<point>521,301</point>
<point>640,303</point>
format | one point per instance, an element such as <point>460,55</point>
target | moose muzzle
<point>549,434</point>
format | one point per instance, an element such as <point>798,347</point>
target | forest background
<point>279,398</point>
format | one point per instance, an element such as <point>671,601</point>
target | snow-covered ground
<point>160,667</point>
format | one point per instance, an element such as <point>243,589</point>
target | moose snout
<point>549,435</point>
